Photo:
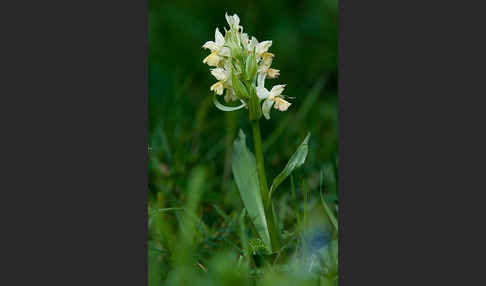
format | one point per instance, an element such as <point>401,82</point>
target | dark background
<point>185,129</point>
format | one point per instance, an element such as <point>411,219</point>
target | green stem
<point>257,142</point>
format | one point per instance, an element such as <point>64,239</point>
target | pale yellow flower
<point>222,75</point>
<point>267,59</point>
<point>262,47</point>
<point>217,88</point>
<point>218,51</point>
<point>272,97</point>
<point>266,62</point>
<point>230,95</point>
<point>281,104</point>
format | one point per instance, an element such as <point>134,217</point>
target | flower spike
<point>240,65</point>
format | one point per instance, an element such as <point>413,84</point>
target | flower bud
<point>236,66</point>
<point>236,53</point>
<point>234,46</point>
<point>254,105</point>
<point>239,87</point>
<point>251,67</point>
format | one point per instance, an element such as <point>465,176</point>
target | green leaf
<point>246,178</point>
<point>297,159</point>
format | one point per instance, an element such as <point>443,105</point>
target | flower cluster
<point>241,66</point>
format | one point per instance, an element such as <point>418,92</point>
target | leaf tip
<point>241,139</point>
<point>241,134</point>
<point>306,140</point>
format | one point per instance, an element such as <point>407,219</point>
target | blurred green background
<point>189,137</point>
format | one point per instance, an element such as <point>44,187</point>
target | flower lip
<point>273,73</point>
<point>219,73</point>
<point>213,59</point>
<point>217,88</point>
<point>281,104</point>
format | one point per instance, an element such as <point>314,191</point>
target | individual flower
<point>266,62</point>
<point>260,48</point>
<point>230,95</point>
<point>267,59</point>
<point>222,75</point>
<point>218,51</point>
<point>272,97</point>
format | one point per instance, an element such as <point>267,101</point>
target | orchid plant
<point>241,65</point>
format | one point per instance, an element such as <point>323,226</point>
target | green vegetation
<point>200,232</point>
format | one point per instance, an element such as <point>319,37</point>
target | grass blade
<point>329,213</point>
<point>308,103</point>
